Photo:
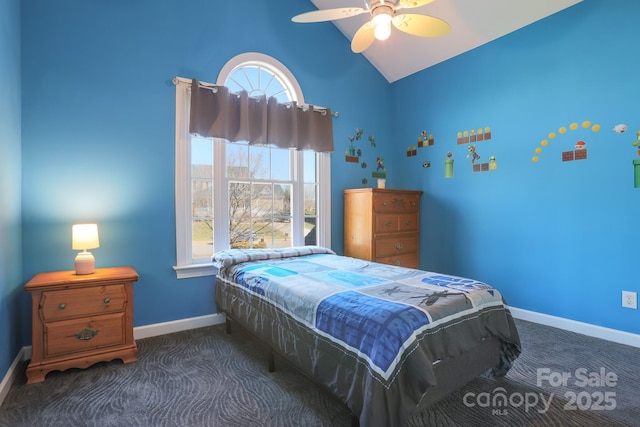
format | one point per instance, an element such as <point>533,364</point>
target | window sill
<point>195,270</point>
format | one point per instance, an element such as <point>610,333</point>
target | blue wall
<point>12,331</point>
<point>99,123</point>
<point>555,237</point>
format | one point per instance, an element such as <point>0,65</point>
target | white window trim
<point>184,267</point>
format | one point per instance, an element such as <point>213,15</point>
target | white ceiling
<point>473,23</point>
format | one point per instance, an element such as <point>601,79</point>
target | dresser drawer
<point>396,203</point>
<point>80,335</point>
<point>408,223</point>
<point>406,260</point>
<point>72,303</point>
<point>386,224</point>
<point>396,246</point>
<point>396,223</point>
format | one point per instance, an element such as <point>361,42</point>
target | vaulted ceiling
<point>473,23</point>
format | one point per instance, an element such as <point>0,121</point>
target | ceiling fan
<point>383,13</point>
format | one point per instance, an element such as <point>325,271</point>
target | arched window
<point>236,195</point>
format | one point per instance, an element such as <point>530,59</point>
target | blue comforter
<point>377,314</point>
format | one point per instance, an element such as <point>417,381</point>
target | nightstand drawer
<point>396,246</point>
<point>71,303</point>
<point>80,335</point>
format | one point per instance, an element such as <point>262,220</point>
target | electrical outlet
<point>630,299</point>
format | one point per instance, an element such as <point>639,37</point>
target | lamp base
<point>85,263</point>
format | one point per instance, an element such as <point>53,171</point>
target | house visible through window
<point>237,195</point>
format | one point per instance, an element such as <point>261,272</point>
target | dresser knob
<point>398,246</point>
<point>398,263</point>
<point>408,222</point>
<point>62,306</point>
<point>107,300</point>
<point>388,223</point>
<point>384,203</point>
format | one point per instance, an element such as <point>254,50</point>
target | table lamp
<point>85,236</point>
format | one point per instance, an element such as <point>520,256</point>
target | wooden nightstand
<point>79,320</point>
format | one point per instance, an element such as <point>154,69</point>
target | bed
<point>385,340</point>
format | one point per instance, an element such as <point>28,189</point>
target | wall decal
<point>487,166</point>
<point>621,128</point>
<point>472,149</point>
<point>472,153</point>
<point>636,143</point>
<point>636,162</point>
<point>424,140</point>
<point>474,135</point>
<point>580,150</point>
<point>493,165</point>
<point>353,154</point>
<point>448,165</point>
<point>381,171</point>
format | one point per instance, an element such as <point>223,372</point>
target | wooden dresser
<point>79,320</point>
<point>382,225</point>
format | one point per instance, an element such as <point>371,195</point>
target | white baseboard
<point>12,373</point>
<point>147,331</point>
<point>595,331</point>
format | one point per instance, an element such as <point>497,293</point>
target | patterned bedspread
<point>377,314</point>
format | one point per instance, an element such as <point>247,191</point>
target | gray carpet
<point>204,377</point>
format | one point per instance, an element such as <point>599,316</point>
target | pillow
<point>231,257</point>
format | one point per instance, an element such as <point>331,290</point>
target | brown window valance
<point>217,112</point>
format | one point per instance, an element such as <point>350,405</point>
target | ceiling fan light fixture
<point>381,16</point>
<point>382,24</point>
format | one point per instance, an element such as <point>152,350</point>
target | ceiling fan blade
<point>328,14</point>
<point>363,38</point>
<point>421,25</point>
<point>407,4</point>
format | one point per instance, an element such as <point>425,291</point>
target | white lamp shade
<point>85,236</point>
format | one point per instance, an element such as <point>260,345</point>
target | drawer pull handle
<point>413,203</point>
<point>384,203</point>
<point>107,300</point>
<point>408,222</point>
<point>62,306</point>
<point>388,223</point>
<point>398,246</point>
<point>398,263</point>
<point>86,334</point>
